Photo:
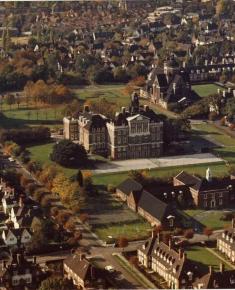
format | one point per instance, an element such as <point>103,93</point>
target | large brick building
<point>136,132</point>
<point>209,192</point>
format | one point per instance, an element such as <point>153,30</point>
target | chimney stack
<point>210,269</point>
<point>86,109</point>
<point>158,237</point>
<point>4,264</point>
<point>221,267</point>
<point>170,243</point>
<point>180,253</point>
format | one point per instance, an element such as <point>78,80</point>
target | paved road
<point>103,257</point>
<point>127,165</point>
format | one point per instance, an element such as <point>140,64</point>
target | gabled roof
<point>129,185</point>
<point>80,266</point>
<point>187,179</point>
<point>154,206</point>
<point>217,280</point>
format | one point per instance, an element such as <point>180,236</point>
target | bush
<point>111,188</point>
<point>227,216</point>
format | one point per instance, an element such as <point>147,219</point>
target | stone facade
<point>136,132</point>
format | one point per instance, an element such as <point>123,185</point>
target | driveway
<point>135,164</point>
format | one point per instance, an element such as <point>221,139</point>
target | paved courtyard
<point>135,164</point>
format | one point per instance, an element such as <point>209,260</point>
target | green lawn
<point>31,116</point>
<point>139,229</point>
<point>217,134</point>
<point>113,93</point>
<point>210,218</point>
<point>218,169</point>
<point>202,255</point>
<point>41,154</point>
<point>206,89</point>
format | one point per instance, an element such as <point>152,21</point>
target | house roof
<point>217,280</point>
<point>154,206</point>
<point>129,185</point>
<point>80,266</point>
<point>187,179</point>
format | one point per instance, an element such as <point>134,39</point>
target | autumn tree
<point>188,234</point>
<point>55,283</point>
<point>122,242</point>
<point>208,232</point>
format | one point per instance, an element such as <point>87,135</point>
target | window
<point>205,196</point>
<point>221,194</point>
<point>205,203</point>
<point>220,202</point>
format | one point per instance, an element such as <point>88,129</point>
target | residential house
<point>222,279</point>
<point>20,273</point>
<point>16,237</point>
<point>171,264</point>
<point>83,273</point>
<point>226,242</point>
<point>209,192</point>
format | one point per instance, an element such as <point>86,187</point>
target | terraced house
<point>169,263</point>
<point>226,242</point>
<point>135,132</point>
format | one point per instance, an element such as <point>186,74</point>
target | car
<point>110,268</point>
<point>11,159</point>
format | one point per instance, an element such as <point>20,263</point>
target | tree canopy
<point>67,153</point>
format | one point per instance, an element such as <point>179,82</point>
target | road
<point>103,257</point>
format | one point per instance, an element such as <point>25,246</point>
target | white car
<point>11,159</point>
<point>109,268</point>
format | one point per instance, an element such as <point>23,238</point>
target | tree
<point>208,232</point>
<point>139,175</point>
<point>122,242</point>
<point>79,178</point>
<point>67,153</point>
<point>55,283</point>
<point>39,240</point>
<point>10,100</point>
<point>188,234</point>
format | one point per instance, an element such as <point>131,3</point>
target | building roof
<point>153,206</point>
<point>187,179</point>
<point>216,280</point>
<point>80,266</point>
<point>129,185</point>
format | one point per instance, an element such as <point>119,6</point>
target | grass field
<point>133,231</point>
<point>115,178</point>
<point>210,218</point>
<point>16,118</point>
<point>41,153</point>
<point>203,256</point>
<point>113,93</point>
<point>206,89</point>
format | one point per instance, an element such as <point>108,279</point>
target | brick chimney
<point>221,267</point>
